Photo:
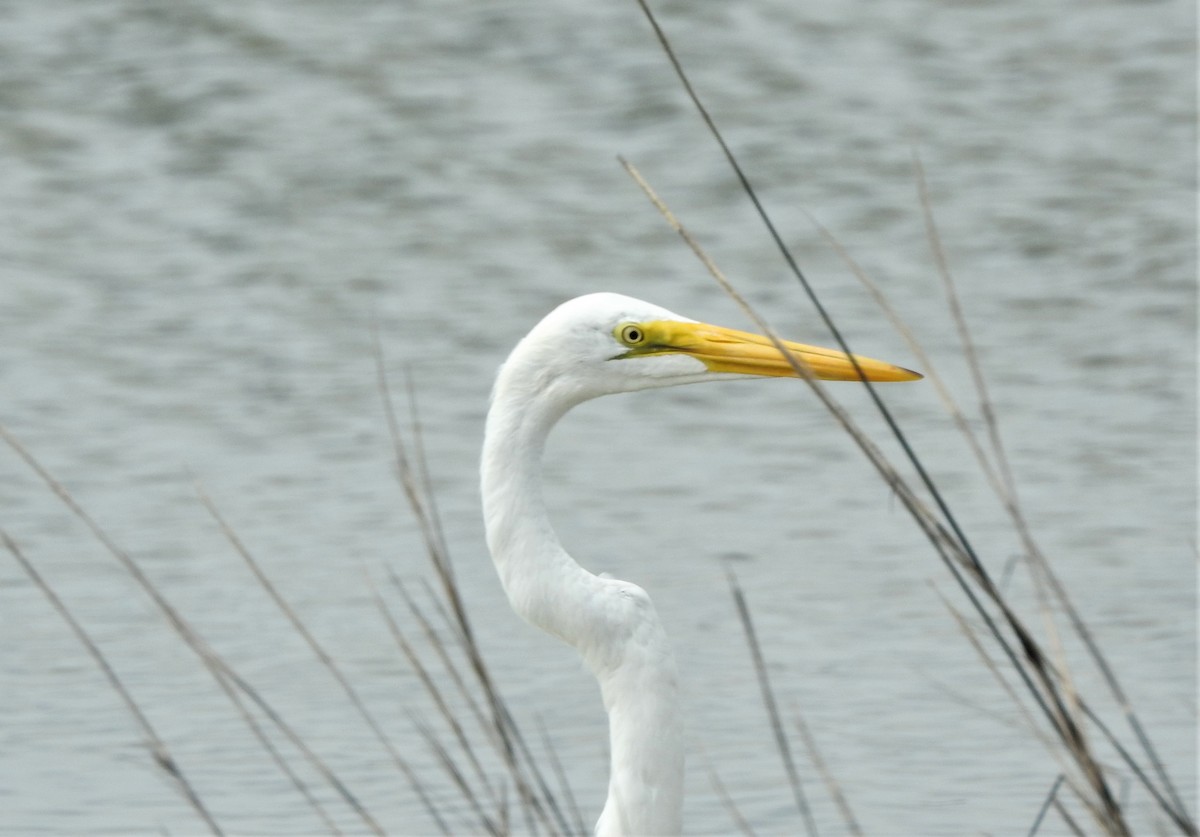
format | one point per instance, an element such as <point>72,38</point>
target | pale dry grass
<point>506,782</point>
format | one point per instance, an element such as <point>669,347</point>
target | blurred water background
<point>204,205</point>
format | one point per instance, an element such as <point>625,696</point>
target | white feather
<point>566,359</point>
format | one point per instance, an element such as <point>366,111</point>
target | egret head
<point>607,343</point>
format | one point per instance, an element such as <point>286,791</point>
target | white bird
<point>587,347</point>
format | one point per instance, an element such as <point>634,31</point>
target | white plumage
<point>591,346</point>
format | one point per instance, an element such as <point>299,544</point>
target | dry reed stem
<point>448,665</point>
<point>948,546</point>
<point>831,783</point>
<point>1038,562</point>
<point>1041,814</point>
<point>522,750</point>
<point>434,692</point>
<point>1067,818</point>
<point>314,645</point>
<point>1011,501</point>
<point>1046,693</point>
<point>222,673</point>
<point>226,681</point>
<point>1040,677</point>
<point>1009,496</point>
<point>564,786</point>
<point>450,766</point>
<point>158,747</point>
<point>486,725</point>
<point>727,801</point>
<point>1054,752</point>
<point>928,367</point>
<point>538,803</point>
<point>768,696</point>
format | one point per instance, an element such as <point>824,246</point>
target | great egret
<point>587,347</point>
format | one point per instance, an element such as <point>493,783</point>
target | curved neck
<point>611,623</point>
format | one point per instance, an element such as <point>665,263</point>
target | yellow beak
<point>740,352</point>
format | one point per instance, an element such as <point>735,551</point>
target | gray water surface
<point>205,205</point>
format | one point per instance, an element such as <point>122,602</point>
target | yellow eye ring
<point>631,334</point>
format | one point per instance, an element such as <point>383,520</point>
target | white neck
<point>611,623</point>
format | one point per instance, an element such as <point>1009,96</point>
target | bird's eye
<point>631,335</point>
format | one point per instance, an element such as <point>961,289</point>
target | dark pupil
<point>633,335</point>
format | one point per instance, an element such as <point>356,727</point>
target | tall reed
<point>503,779</point>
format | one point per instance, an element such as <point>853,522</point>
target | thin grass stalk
<point>1174,807</point>
<point>547,799</point>
<point>1067,818</point>
<point>928,367</point>
<point>1006,492</point>
<point>522,750</point>
<point>219,669</point>
<point>315,646</point>
<point>537,800</point>
<point>948,548</point>
<point>1125,756</point>
<point>1054,752</point>
<point>233,692</point>
<point>541,807</point>
<point>417,501</point>
<point>969,632</point>
<point>448,620</point>
<point>231,683</point>
<point>1071,732</point>
<point>1177,811</point>
<point>1000,488</point>
<point>963,544</point>
<point>831,783</point>
<point>423,478</point>
<point>1073,736</point>
<point>727,800</point>
<point>768,696</point>
<point>1011,499</point>
<point>794,267</point>
<point>432,689</point>
<point>1171,802</point>
<point>486,724</point>
<point>505,809</point>
<point>310,755</point>
<point>560,776</point>
<point>951,405</point>
<point>450,766</point>
<point>1180,821</point>
<point>158,747</point>
<point>1013,502</point>
<point>1044,691</point>
<point>785,252</point>
<point>434,547</point>
<point>978,379</point>
<point>1037,821</point>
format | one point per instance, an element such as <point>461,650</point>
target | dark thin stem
<point>941,540</point>
<point>435,693</point>
<point>162,756</point>
<point>561,777</point>
<point>537,801</point>
<point>1177,810</point>
<point>831,782</point>
<point>764,683</point>
<point>318,650</point>
<point>456,775</point>
<point>1068,819</point>
<point>1110,817</point>
<point>727,802</point>
<point>1037,822</point>
<point>220,670</point>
